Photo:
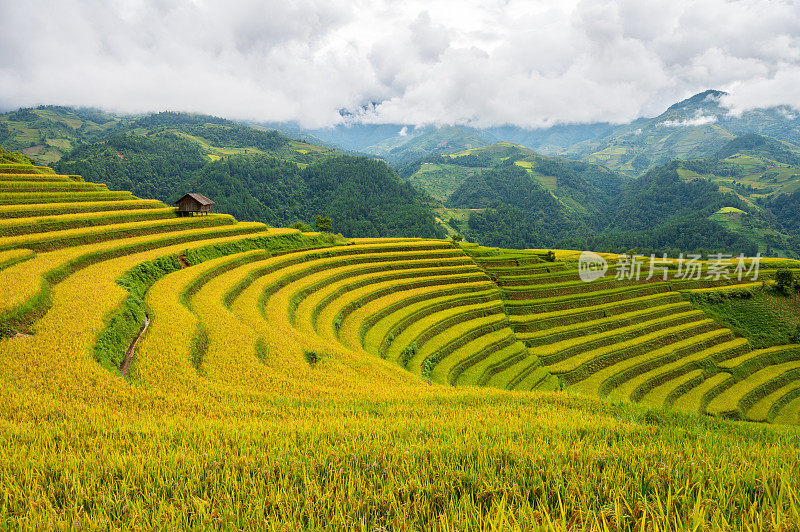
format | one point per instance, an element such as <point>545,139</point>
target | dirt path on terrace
<point>125,368</point>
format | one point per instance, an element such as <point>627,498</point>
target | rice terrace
<point>473,266</point>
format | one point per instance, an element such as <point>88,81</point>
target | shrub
<point>784,279</point>
<point>261,350</point>
<point>429,364</point>
<point>407,354</point>
<point>302,226</point>
<point>718,296</point>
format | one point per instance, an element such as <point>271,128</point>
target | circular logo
<point>591,266</point>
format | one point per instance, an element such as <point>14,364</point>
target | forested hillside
<point>551,202</point>
<point>738,198</point>
<point>519,211</point>
<point>254,174</point>
<point>697,127</point>
<point>583,186</point>
<point>761,175</point>
<point>362,197</point>
<point>506,195</point>
<point>661,212</point>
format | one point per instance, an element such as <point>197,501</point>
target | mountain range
<point>693,128</point>
<point>706,180</point>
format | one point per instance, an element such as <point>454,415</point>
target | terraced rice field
<point>641,341</point>
<point>446,314</point>
<point>423,305</point>
<point>164,372</point>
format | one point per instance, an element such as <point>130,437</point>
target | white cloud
<point>481,62</point>
<point>697,120</point>
<point>777,89</point>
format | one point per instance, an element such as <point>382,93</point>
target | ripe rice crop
<point>737,398</point>
<point>565,348</point>
<point>387,316</point>
<point>18,198</point>
<point>575,301</point>
<point>22,168</point>
<point>339,300</point>
<point>525,376</point>
<point>448,368</point>
<point>768,406</point>
<point>41,224</point>
<point>462,331</point>
<point>335,464</point>
<point>55,209</point>
<point>420,331</point>
<point>13,256</point>
<point>684,392</point>
<point>26,288</point>
<point>601,382</point>
<point>88,235</point>
<point>39,178</point>
<point>496,360</point>
<point>602,325</point>
<point>55,186</point>
<point>585,363</point>
<point>788,412</point>
<point>647,376</point>
<point>549,320</point>
<point>316,287</point>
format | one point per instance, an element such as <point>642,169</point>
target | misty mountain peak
<point>706,99</point>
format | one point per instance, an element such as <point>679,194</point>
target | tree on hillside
<point>322,224</point>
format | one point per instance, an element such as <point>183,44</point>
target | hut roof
<point>202,200</point>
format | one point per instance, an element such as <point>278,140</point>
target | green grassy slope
<point>764,175</point>
<point>441,176</point>
<point>693,128</point>
<point>764,316</point>
<point>47,133</point>
<point>422,142</point>
<point>753,166</point>
<point>529,201</point>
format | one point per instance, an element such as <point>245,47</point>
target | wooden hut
<point>193,203</point>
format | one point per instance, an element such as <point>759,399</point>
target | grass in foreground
<point>476,460</point>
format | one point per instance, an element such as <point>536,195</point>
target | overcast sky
<point>485,62</point>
